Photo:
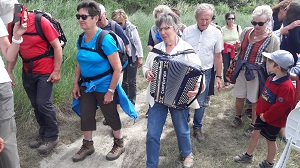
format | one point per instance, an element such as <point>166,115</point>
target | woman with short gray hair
<point>167,25</point>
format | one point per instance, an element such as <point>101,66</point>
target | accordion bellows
<point>173,78</point>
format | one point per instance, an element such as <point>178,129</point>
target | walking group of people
<point>261,75</point>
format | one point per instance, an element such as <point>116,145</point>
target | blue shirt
<point>91,63</point>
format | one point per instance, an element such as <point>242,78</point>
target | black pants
<point>40,93</point>
<point>129,81</point>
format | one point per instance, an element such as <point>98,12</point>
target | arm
<point>218,64</point>
<point>138,46</point>
<point>285,30</point>
<point>1,144</point>
<point>10,67</point>
<point>76,90</point>
<point>55,75</point>
<point>117,67</point>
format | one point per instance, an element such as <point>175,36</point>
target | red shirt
<point>276,101</point>
<point>33,46</point>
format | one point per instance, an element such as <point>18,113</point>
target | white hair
<point>263,10</point>
<point>102,9</point>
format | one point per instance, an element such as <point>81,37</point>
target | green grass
<point>222,142</point>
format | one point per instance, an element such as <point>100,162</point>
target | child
<point>273,106</point>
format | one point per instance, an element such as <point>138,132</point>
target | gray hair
<point>161,9</point>
<point>263,10</point>
<point>102,9</point>
<point>204,7</point>
<point>170,19</point>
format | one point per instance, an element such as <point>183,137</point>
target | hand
<point>13,84</point>
<point>1,144</point>
<point>262,117</point>
<point>54,77</point>
<point>294,24</point>
<point>19,30</point>
<point>149,76</point>
<point>219,84</point>
<point>237,45</point>
<point>76,91</point>
<point>108,97</point>
<point>194,92</point>
<point>140,62</point>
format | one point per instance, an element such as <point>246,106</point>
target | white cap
<point>7,10</point>
<point>281,57</point>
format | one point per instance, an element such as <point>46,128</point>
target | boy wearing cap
<point>9,157</point>
<point>273,106</point>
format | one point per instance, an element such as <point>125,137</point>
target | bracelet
<point>219,77</point>
<point>111,90</point>
<point>17,41</point>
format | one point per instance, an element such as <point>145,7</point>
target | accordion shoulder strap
<point>160,52</point>
<point>199,91</point>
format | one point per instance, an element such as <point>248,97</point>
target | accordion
<point>173,78</point>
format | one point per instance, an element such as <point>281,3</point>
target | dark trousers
<point>129,81</point>
<point>40,93</point>
<point>226,63</point>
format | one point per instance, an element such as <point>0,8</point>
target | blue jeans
<point>156,120</point>
<point>199,113</point>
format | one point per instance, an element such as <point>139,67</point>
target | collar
<point>280,80</point>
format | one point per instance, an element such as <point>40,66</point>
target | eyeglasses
<point>165,28</point>
<point>230,18</point>
<point>120,23</point>
<point>83,17</point>
<point>257,23</point>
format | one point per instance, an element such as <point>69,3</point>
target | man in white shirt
<point>9,155</point>
<point>208,43</point>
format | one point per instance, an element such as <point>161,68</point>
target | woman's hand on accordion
<point>149,76</point>
<point>194,92</point>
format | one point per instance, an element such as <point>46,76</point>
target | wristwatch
<point>111,90</point>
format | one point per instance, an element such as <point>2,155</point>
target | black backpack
<point>37,21</point>
<point>120,44</point>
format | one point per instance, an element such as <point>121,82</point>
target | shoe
<point>264,164</point>
<point>248,131</point>
<point>198,134</point>
<point>248,113</point>
<point>188,161</point>
<point>104,122</point>
<point>243,158</point>
<point>207,101</point>
<point>86,149</point>
<point>47,147</point>
<point>117,150</point>
<point>36,143</point>
<point>236,122</point>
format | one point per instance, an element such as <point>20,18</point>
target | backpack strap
<point>38,26</point>
<point>160,52</point>
<point>113,25</point>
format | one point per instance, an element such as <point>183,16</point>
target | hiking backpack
<point>119,42</point>
<point>39,32</point>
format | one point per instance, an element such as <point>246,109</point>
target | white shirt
<point>4,77</point>
<point>181,46</point>
<point>205,43</point>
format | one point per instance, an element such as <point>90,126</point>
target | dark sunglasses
<point>84,17</point>
<point>120,23</point>
<point>230,18</point>
<point>257,23</point>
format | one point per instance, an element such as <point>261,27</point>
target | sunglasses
<point>83,17</point>
<point>257,23</point>
<point>230,18</point>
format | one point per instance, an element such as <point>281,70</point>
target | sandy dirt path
<point>135,144</point>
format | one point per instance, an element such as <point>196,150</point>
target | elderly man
<point>208,43</point>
